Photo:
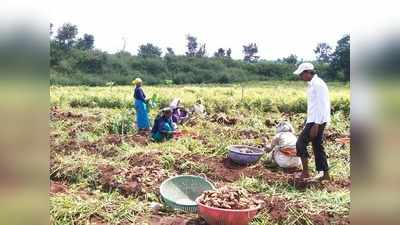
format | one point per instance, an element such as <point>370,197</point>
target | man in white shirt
<point>318,115</point>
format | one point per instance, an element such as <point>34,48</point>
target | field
<point>102,172</point>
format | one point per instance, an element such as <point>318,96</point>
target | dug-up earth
<point>87,161</point>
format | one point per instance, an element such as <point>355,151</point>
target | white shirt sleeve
<point>318,104</point>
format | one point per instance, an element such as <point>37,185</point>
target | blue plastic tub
<point>244,155</point>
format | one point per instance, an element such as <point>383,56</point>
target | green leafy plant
<point>122,123</point>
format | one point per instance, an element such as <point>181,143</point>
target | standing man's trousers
<point>321,163</point>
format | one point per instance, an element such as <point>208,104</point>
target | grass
<point>72,208</point>
<point>263,96</point>
<point>78,169</point>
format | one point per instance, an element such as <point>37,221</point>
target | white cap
<point>302,67</point>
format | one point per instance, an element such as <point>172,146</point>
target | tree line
<point>74,60</point>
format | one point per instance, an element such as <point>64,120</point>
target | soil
<point>330,186</point>
<point>137,139</point>
<point>279,208</point>
<point>97,220</point>
<point>113,139</point>
<point>173,220</point>
<point>143,175</point>
<point>221,118</point>
<point>186,133</point>
<point>249,134</point>
<point>224,170</point>
<point>276,208</point>
<point>57,114</point>
<point>57,187</point>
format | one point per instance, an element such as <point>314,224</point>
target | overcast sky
<point>279,28</point>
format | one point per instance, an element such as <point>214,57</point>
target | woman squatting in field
<point>163,128</point>
<point>283,147</point>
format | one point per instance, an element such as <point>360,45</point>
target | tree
<point>228,53</point>
<point>220,53</point>
<point>250,52</point>
<point>51,29</point>
<point>66,35</point>
<point>149,50</point>
<point>202,51</point>
<point>170,52</point>
<point>291,59</point>
<point>191,45</point>
<point>341,57</point>
<point>85,43</point>
<point>323,52</point>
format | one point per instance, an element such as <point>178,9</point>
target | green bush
<point>96,68</point>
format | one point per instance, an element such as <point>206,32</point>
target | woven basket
<point>180,192</point>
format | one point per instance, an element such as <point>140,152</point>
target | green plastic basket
<point>180,192</point>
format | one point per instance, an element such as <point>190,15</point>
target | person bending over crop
<point>318,115</point>
<point>283,147</point>
<point>163,129</point>
<point>199,109</point>
<point>179,113</point>
<point>142,118</point>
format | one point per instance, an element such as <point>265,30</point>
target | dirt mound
<point>150,158</point>
<point>344,183</point>
<point>331,186</point>
<point>173,220</point>
<point>97,220</point>
<point>279,208</point>
<point>86,126</point>
<point>113,139</point>
<point>57,187</point>
<point>249,134</point>
<point>56,113</point>
<point>66,147</point>
<point>144,175</point>
<point>223,169</point>
<point>109,181</point>
<point>137,139</point>
<point>221,118</point>
<point>276,208</point>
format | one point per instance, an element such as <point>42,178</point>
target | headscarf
<point>284,126</point>
<point>174,103</point>
<point>137,81</point>
<point>166,109</point>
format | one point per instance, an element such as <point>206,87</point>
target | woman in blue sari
<point>142,119</point>
<point>163,129</point>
